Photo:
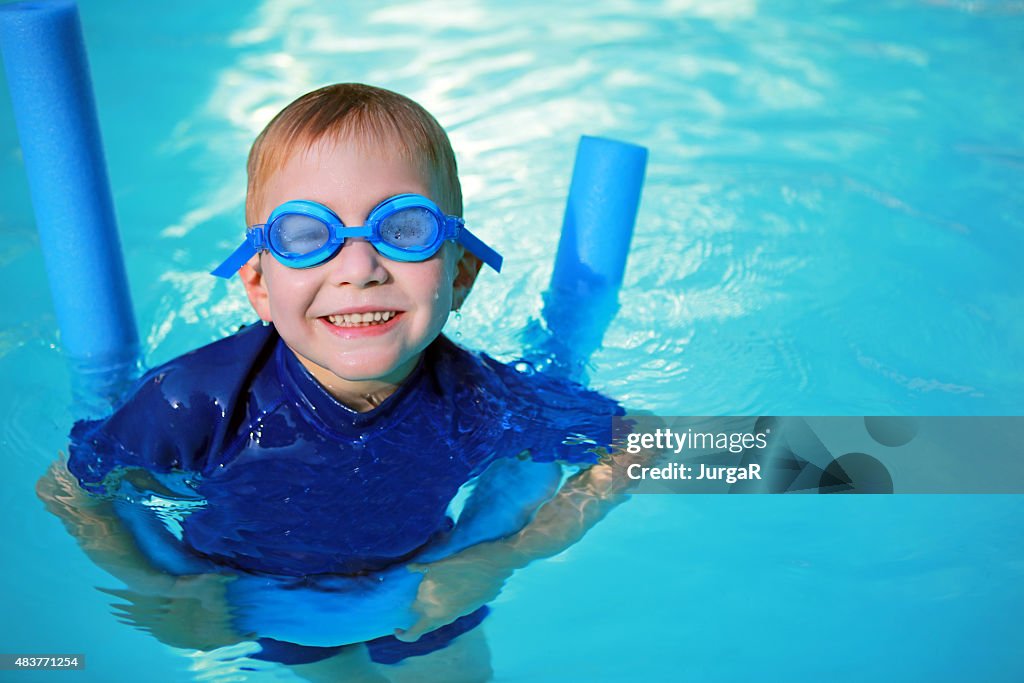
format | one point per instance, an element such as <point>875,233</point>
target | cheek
<point>433,287</point>
<point>449,269</point>
<point>445,288</point>
<point>289,291</point>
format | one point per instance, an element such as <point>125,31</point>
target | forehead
<point>361,169</point>
<point>367,144</point>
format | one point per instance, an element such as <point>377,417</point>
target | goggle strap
<point>252,245</point>
<point>478,248</point>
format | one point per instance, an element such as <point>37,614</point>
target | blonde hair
<point>364,114</point>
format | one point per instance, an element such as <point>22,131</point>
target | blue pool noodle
<point>600,214</point>
<point>52,97</point>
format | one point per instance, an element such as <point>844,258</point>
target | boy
<point>333,439</point>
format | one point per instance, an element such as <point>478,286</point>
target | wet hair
<point>365,115</point>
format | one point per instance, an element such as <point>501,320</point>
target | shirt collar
<point>319,405</point>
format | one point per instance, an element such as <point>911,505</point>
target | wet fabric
<point>291,482</point>
<point>258,469</point>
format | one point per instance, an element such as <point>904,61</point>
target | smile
<point>361,319</point>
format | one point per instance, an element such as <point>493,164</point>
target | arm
<point>183,611</point>
<point>459,584</point>
<point>208,609</point>
<point>505,497</point>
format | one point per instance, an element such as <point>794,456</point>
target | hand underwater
<point>458,585</point>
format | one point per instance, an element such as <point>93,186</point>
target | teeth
<point>371,317</point>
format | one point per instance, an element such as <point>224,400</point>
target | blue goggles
<point>406,227</point>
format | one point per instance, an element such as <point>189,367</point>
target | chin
<point>373,366</point>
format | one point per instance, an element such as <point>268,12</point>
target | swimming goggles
<point>406,227</point>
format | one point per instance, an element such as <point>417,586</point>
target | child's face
<point>306,305</point>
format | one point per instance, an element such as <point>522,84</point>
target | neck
<point>361,396</point>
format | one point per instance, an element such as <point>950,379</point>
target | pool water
<point>831,225</point>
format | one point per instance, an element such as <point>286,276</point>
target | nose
<point>357,263</point>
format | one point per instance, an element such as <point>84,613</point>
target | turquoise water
<point>831,225</point>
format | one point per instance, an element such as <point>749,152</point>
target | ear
<point>256,287</point>
<point>466,271</point>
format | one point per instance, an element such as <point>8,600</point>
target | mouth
<point>360,320</point>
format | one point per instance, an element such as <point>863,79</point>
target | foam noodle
<point>600,214</point>
<point>51,91</point>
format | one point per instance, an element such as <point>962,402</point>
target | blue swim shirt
<point>288,481</point>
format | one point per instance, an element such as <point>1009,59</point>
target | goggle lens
<point>411,229</point>
<point>295,234</point>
